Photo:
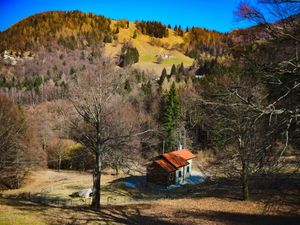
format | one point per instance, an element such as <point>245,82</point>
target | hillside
<point>149,51</point>
<point>70,29</point>
<point>54,31</point>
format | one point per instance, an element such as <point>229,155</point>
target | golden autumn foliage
<point>46,27</point>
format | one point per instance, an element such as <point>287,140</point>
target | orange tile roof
<point>179,158</point>
<point>176,160</point>
<point>184,153</point>
<point>165,165</point>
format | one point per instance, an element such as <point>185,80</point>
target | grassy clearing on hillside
<point>214,202</point>
<point>55,187</point>
<point>274,201</point>
<point>149,52</point>
<point>169,212</point>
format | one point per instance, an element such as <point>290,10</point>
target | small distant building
<point>170,168</point>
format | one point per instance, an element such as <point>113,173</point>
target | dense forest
<point>153,29</point>
<point>74,29</point>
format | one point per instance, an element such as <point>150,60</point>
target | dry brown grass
<point>211,203</point>
<point>180,211</point>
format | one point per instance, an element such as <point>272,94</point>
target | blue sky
<point>211,14</point>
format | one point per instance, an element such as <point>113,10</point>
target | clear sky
<point>211,14</point>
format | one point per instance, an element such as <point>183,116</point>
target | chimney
<point>179,146</point>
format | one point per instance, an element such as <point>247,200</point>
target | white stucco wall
<point>184,173</point>
<point>179,179</point>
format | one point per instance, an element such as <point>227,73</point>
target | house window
<point>188,169</point>
<point>179,174</point>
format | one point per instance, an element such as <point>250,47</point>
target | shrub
<point>107,39</point>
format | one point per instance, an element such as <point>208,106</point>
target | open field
<point>148,52</point>
<point>214,202</point>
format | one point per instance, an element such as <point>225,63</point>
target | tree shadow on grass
<point>140,190</point>
<point>241,218</point>
<point>134,214</point>
<point>286,188</point>
<point>262,188</point>
<point>130,214</point>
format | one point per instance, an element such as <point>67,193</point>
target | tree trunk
<point>96,182</point>
<point>245,180</point>
<point>117,170</point>
<point>59,163</point>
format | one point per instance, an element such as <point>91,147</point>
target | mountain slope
<point>149,49</point>
<point>69,28</point>
<point>76,30</point>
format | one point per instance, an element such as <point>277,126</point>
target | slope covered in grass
<point>149,52</point>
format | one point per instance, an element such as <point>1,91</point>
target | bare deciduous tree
<point>104,122</point>
<point>241,141</point>
<point>19,149</point>
<point>280,69</point>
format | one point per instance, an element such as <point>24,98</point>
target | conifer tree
<point>181,69</point>
<point>173,70</point>
<point>163,76</point>
<point>171,119</point>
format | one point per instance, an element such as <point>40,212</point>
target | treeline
<point>42,28</point>
<point>178,30</point>
<point>152,28</point>
<point>200,40</point>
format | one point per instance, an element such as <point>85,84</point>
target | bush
<point>159,60</point>
<point>134,34</point>
<point>107,39</point>
<point>147,88</point>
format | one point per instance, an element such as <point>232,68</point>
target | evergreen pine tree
<point>163,76</point>
<point>171,118</point>
<point>179,31</point>
<point>181,69</point>
<point>173,70</point>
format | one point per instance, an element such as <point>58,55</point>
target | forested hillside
<point>71,29</point>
